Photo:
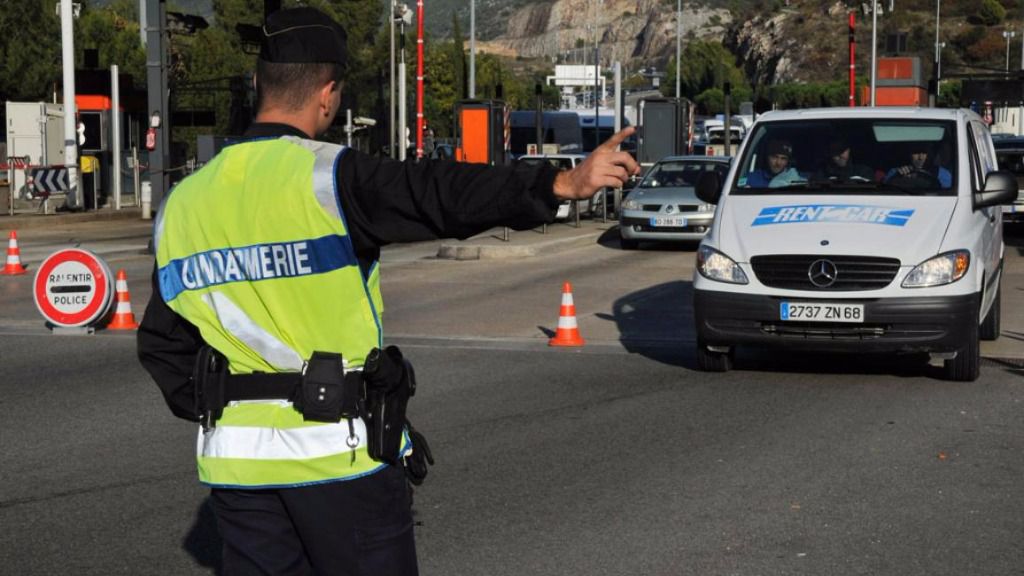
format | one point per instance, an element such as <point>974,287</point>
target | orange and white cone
<point>568,333</point>
<point>123,317</point>
<point>13,266</point>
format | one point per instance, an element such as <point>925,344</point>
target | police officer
<point>266,260</point>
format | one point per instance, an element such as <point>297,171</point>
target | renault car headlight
<point>630,204</point>
<point>942,269</point>
<point>714,265</point>
<point>706,208</point>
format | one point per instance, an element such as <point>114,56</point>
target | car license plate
<point>821,312</point>
<point>668,221</point>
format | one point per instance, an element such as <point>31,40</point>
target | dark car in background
<point>1010,155</point>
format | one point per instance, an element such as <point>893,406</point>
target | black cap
<point>780,147</point>
<point>837,146</point>
<point>303,35</point>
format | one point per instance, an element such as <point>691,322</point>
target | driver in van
<point>919,168</point>
<point>778,172</point>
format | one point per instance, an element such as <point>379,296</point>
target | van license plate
<point>668,221</point>
<point>821,312</point>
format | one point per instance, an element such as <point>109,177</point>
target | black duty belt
<point>325,392</point>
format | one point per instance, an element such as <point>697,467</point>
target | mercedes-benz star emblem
<point>822,273</point>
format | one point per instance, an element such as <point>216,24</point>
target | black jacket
<point>384,201</point>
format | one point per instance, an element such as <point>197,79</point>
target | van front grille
<point>793,272</point>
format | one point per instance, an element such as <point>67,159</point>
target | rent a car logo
<point>844,213</point>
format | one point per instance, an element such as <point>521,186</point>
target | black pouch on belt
<point>390,382</point>
<point>326,393</point>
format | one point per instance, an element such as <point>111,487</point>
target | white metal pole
<point>401,110</point>
<point>348,127</point>
<point>874,46</point>
<point>679,42</point>
<point>391,85</point>
<point>115,133</point>
<point>68,60</point>
<point>142,21</point>
<point>472,48</point>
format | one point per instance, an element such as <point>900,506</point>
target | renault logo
<point>669,209</point>
<point>822,273</point>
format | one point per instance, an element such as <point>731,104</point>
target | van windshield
<point>850,156</point>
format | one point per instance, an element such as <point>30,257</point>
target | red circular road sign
<point>73,287</point>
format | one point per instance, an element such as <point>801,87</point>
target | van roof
<point>894,112</point>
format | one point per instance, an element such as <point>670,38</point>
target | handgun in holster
<point>390,381</point>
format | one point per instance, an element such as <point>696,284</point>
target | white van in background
<point>898,248</point>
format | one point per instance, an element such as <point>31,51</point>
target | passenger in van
<point>840,165</point>
<point>778,172</point>
<point>919,169</point>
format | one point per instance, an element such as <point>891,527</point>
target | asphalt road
<point>615,458</point>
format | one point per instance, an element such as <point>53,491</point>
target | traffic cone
<point>568,333</point>
<point>13,266</point>
<point>123,317</point>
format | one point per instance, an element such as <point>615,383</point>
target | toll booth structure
<point>482,132</point>
<point>663,129</point>
<point>899,81</point>
<point>94,103</point>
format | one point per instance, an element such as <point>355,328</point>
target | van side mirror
<point>1000,188</point>
<point>709,187</point>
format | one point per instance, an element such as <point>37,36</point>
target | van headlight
<point>706,208</point>
<point>630,204</point>
<point>942,269</point>
<point>714,265</point>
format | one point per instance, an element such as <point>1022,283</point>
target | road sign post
<point>73,290</point>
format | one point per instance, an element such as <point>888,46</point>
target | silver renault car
<point>664,206</point>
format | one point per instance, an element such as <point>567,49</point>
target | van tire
<point>709,361</point>
<point>966,367</point>
<point>628,244</point>
<point>990,327</point>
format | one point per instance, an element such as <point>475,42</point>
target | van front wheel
<point>990,326</point>
<point>966,367</point>
<point>711,361</point>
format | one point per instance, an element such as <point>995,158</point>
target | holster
<point>390,382</point>
<point>209,374</point>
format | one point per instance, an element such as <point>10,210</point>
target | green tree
<point>705,65</point>
<point>30,50</point>
<point>990,13</point>
<point>458,58</point>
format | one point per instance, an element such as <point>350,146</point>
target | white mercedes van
<point>855,230</point>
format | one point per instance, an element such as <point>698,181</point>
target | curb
<point>20,222</point>
<point>506,251</point>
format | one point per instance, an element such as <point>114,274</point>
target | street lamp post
<point>938,59</point>
<point>937,3</point>
<point>874,46</point>
<point>1008,34</point>
<point>472,48</point>
<point>679,35</point>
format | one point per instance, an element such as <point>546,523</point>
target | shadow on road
<point>203,541</point>
<point>657,322</point>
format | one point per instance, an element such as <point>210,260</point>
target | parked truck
<point>35,135</point>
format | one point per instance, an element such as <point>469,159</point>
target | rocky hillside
<point>628,30</point>
<point>784,41</point>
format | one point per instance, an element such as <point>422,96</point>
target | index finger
<point>617,138</point>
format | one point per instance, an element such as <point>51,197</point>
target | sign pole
<point>67,37</point>
<point>115,129</point>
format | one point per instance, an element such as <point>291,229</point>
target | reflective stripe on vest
<point>253,250</point>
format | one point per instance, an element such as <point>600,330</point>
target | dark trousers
<point>356,527</point>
